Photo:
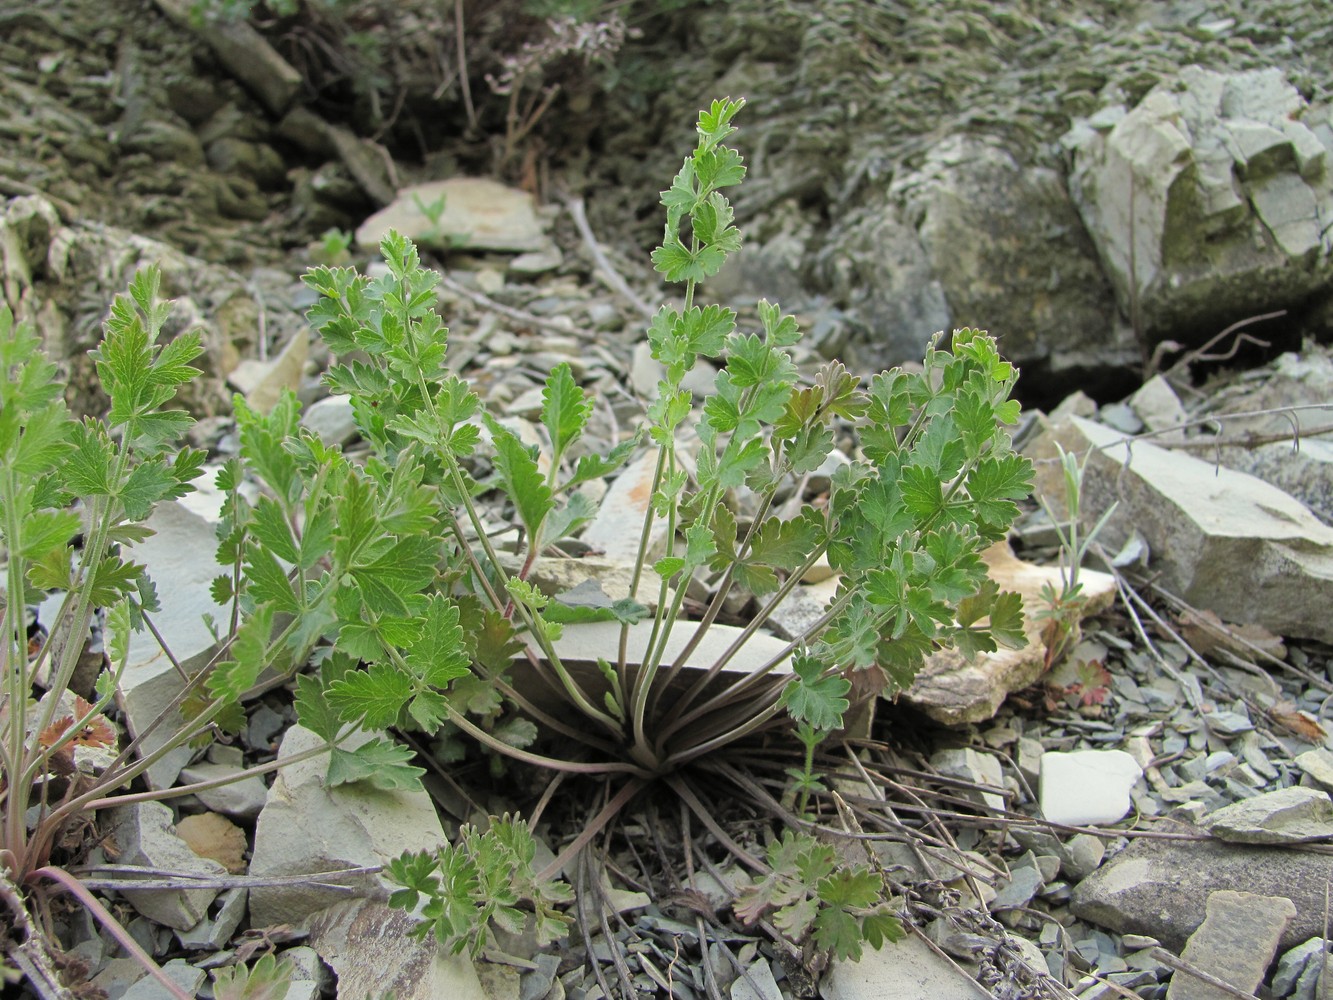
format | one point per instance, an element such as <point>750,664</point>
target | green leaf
<point>313,710</point>
<point>268,581</point>
<point>525,485</point>
<point>249,657</point>
<point>382,764</point>
<point>995,483</point>
<point>268,979</point>
<point>371,698</point>
<point>440,655</point>
<point>810,697</point>
<point>565,409</point>
<point>270,528</point>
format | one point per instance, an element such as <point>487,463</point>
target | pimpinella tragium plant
<point>74,496</point>
<point>393,560</point>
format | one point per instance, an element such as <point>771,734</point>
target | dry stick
<point>580,889</point>
<point>706,817</point>
<point>1201,353</point>
<point>1190,969</point>
<point>617,956</point>
<point>607,813</point>
<point>609,272</point>
<point>186,880</point>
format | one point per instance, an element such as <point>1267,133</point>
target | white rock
<point>1087,787</point>
<point>1158,406</point>
<point>262,382</point>
<point>477,214</point>
<point>953,690</point>
<point>306,827</point>
<point>908,970</point>
<point>241,799</point>
<point>179,557</point>
<point>619,522</point>
<point>369,947</point>
<point>145,836</point>
<point>758,984</point>
<point>331,419</point>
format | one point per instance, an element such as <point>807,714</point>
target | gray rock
<point>1221,540</point>
<point>180,972</point>
<point>331,419</point>
<point>1318,765</point>
<point>1299,971</point>
<point>145,837</point>
<point>1157,405</point>
<point>213,933</point>
<point>245,52</point>
<point>1236,941</point>
<point>923,268</point>
<point>306,827</point>
<point>1082,855</point>
<point>240,799</point>
<point>1306,472</point>
<point>971,766</point>
<point>371,951</point>
<point>1158,887</point>
<point>1210,191</point>
<point>1287,816</point>
<point>758,984</point>
<point>908,970</point>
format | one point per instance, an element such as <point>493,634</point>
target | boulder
<point>1205,200</point>
<point>912,262</point>
<point>1220,540</point>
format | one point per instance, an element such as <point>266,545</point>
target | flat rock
<point>179,557</point>
<point>1318,766</point>
<point>616,529</point>
<point>1220,540</point>
<point>306,827</point>
<point>908,970</point>
<point>953,691</point>
<point>1087,787</point>
<point>971,766</point>
<point>477,214</point>
<point>145,837</point>
<point>216,837</point>
<point>1158,887</point>
<point>1287,816</point>
<point>1236,942</point>
<point>373,953</point>
<point>240,799</point>
<point>180,972</point>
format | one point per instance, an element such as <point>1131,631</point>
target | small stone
<point>1236,941</point>
<point>757,984</point>
<point>1087,787</point>
<point>1021,887</point>
<point>978,768</point>
<point>241,799</point>
<point>1298,971</point>
<point>331,419</point>
<point>1318,765</point>
<point>1082,855</point>
<point>144,835</point>
<point>212,836</point>
<point>213,933</point>
<point>1289,815</point>
<point>180,972</point>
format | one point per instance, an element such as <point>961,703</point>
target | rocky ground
<point>1151,816</point>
